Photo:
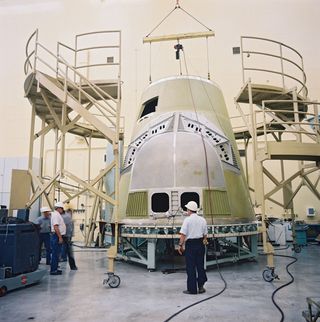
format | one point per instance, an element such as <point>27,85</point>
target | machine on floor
<point>19,254</point>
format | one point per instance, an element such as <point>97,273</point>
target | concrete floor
<point>153,296</point>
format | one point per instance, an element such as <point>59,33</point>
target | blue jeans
<point>67,244</point>
<point>55,252</point>
<point>45,239</point>
<point>194,254</point>
<point>64,252</point>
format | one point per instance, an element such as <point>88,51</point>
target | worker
<point>67,249</point>
<point>193,234</point>
<point>44,224</point>
<point>58,230</point>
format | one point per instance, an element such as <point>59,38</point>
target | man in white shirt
<point>58,229</point>
<point>193,234</point>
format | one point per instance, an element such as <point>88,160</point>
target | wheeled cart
<point>14,282</point>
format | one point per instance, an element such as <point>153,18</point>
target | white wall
<point>294,22</point>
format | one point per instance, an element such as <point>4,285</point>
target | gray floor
<point>154,296</point>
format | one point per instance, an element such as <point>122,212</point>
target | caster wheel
<point>268,275</point>
<point>114,281</point>
<point>297,249</point>
<point>3,291</point>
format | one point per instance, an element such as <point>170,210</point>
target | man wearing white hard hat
<point>193,234</point>
<point>44,224</point>
<point>58,229</point>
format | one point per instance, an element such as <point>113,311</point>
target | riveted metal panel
<point>215,202</point>
<point>137,204</point>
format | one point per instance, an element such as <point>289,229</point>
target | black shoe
<point>202,290</point>
<point>74,268</point>
<point>56,273</point>
<point>187,292</point>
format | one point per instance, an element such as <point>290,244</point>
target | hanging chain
<point>150,79</point>
<point>208,58</point>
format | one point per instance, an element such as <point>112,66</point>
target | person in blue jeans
<point>193,234</point>
<point>44,224</point>
<point>67,249</point>
<point>67,218</point>
<point>58,229</point>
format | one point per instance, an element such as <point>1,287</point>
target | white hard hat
<point>45,209</point>
<point>192,205</point>
<point>59,204</point>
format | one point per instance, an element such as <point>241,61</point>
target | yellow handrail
<point>27,62</point>
<point>62,73</point>
<point>280,56</point>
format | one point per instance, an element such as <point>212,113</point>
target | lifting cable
<point>177,6</point>
<point>208,181</point>
<point>210,205</point>
<point>201,134</point>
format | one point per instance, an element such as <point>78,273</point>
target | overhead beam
<point>189,35</point>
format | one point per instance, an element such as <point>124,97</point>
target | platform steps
<point>49,95</point>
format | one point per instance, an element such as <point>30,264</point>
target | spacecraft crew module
<point>183,149</point>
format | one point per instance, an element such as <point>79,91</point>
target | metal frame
<point>64,100</point>
<point>313,312</point>
<point>282,133</point>
<point>142,241</point>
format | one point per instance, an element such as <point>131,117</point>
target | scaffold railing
<point>281,62</point>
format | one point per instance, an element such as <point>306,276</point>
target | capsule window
<point>160,202</point>
<point>189,196</point>
<point>149,106</point>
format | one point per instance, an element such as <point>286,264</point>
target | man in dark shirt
<point>44,223</point>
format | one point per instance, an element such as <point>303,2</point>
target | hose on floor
<point>284,285</point>
<point>203,300</point>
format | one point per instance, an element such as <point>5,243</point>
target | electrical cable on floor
<point>203,300</point>
<point>284,285</point>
